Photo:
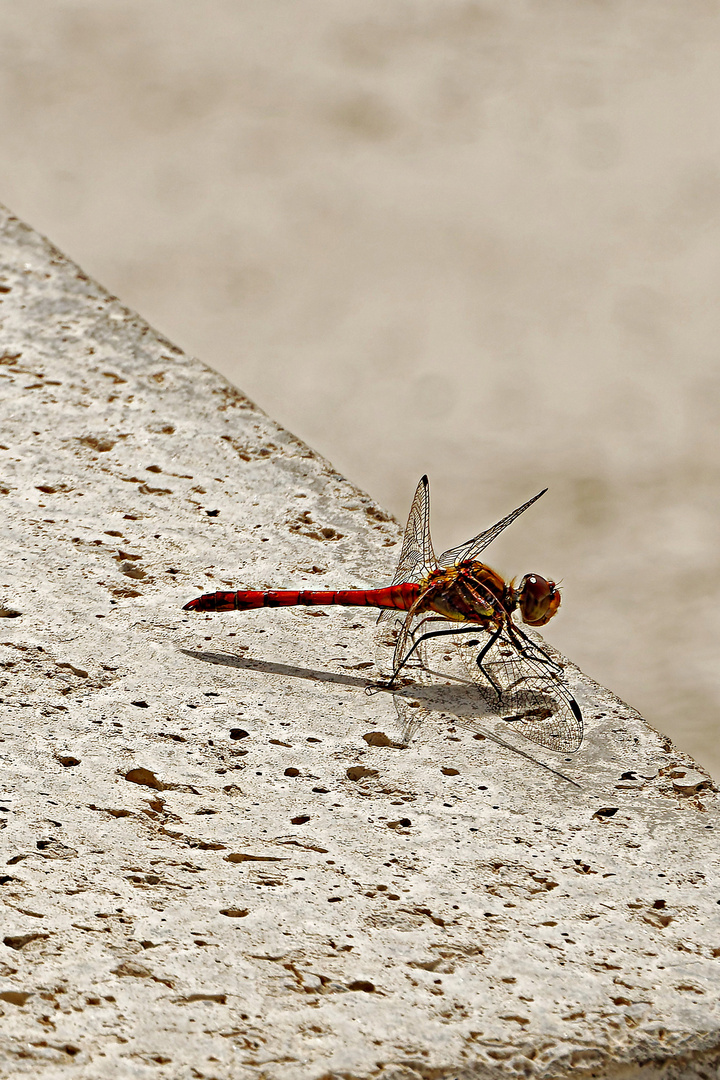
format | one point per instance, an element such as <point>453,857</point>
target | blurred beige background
<point>480,240</point>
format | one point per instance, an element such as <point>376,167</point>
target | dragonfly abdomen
<point>394,596</point>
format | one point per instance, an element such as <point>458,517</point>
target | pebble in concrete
<point>216,862</point>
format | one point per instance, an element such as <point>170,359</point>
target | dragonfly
<point>513,671</point>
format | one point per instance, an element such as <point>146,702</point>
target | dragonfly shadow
<point>458,700</point>
<point>267,667</point>
<point>452,701</point>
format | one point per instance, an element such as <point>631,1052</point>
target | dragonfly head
<point>538,599</point>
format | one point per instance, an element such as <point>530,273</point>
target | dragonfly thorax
<point>470,591</point>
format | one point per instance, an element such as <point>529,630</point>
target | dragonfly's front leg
<point>533,652</point>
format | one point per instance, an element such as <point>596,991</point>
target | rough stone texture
<point>208,871</point>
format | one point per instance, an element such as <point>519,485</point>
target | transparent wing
<point>417,557</point>
<point>472,548</point>
<point>395,636</point>
<point>530,688</point>
<point>519,682</point>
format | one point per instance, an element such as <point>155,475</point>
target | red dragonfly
<point>467,597</point>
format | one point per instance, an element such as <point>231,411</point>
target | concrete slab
<point>211,865</point>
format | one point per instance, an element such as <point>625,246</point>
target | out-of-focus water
<point>480,240</point>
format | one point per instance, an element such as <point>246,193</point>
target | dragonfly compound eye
<point>538,600</point>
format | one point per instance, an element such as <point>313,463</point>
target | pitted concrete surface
<point>212,868</point>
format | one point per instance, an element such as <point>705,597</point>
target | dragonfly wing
<point>417,557</point>
<point>395,637</point>
<point>472,548</point>
<point>534,697</point>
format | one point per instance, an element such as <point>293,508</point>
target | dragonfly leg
<point>434,634</point>
<point>481,656</point>
<point>429,619</point>
<point>416,641</point>
<point>530,651</point>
